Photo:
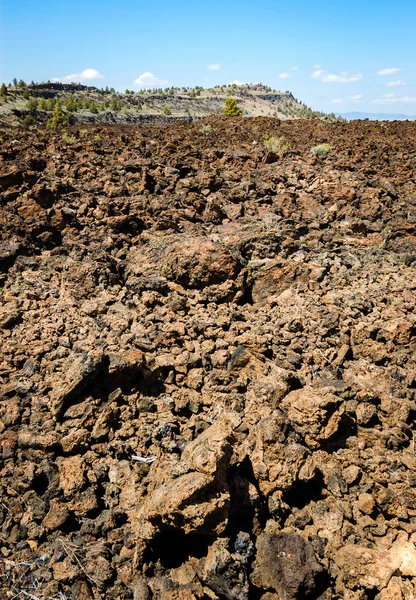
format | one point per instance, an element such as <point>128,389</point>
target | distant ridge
<point>33,104</point>
<point>351,116</point>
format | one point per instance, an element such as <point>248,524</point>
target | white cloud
<point>237,82</point>
<point>341,78</point>
<point>294,68</point>
<point>148,80</point>
<point>396,83</point>
<point>339,100</point>
<point>392,99</point>
<point>214,67</point>
<point>388,71</point>
<point>284,75</point>
<point>85,75</point>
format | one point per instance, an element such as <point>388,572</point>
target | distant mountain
<point>351,116</point>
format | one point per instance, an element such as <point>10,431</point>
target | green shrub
<point>32,105</point>
<point>166,110</point>
<point>59,118</point>
<point>115,104</point>
<point>231,108</point>
<point>3,90</point>
<point>70,104</point>
<point>70,139</point>
<point>276,145</point>
<point>321,150</point>
<point>206,130</point>
<point>30,120</point>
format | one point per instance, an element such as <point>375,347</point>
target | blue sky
<point>327,53</point>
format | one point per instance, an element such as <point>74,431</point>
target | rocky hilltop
<point>33,104</point>
<point>208,361</point>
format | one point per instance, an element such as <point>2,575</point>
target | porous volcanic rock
<point>207,376</point>
<point>286,564</point>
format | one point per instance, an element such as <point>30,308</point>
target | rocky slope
<point>208,362</point>
<point>34,104</point>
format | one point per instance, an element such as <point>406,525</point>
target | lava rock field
<point>208,367</point>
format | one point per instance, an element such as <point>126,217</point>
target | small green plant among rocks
<point>276,145</point>
<point>321,150</point>
<point>166,110</point>
<point>231,108</point>
<point>70,139</point>
<point>30,120</point>
<point>32,105</point>
<point>206,130</point>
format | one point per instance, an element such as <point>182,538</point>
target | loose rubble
<point>208,372</point>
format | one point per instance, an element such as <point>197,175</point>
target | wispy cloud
<point>84,76</point>
<point>339,100</point>
<point>214,67</point>
<point>284,75</point>
<point>294,68</point>
<point>390,71</point>
<point>396,83</point>
<point>236,82</point>
<point>341,78</point>
<point>148,80</point>
<point>393,99</point>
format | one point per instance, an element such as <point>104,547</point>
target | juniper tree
<point>231,108</point>
<point>59,118</point>
<point>32,105</point>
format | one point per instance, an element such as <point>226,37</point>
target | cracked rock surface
<point>208,372</point>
